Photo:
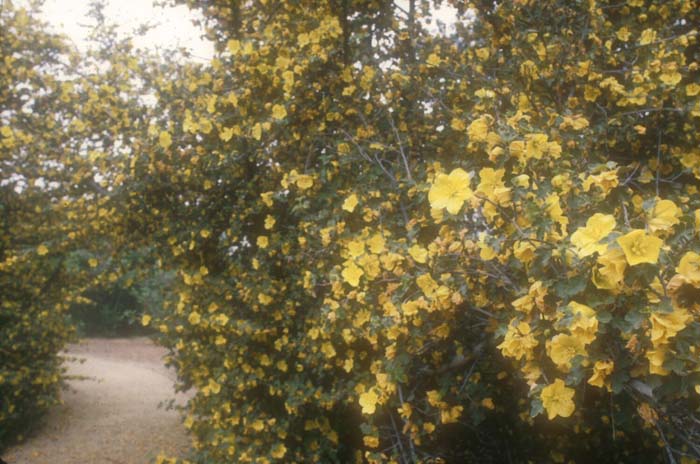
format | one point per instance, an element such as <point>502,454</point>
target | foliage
<point>62,115</point>
<point>387,238</point>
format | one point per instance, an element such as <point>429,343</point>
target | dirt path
<point>112,417</point>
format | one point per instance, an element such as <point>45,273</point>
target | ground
<point>111,413</point>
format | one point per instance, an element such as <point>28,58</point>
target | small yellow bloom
<point>557,399</point>
<point>640,247</point>
<point>279,112</point>
<point>601,371</point>
<point>478,130</point>
<point>257,131</point>
<point>585,324</point>
<point>370,442</point>
<point>606,181</point>
<point>376,243</point>
<point>368,401</point>
<point>587,239</point>
<point>648,36</point>
<point>278,451</point>
<point>145,320</point>
<point>451,415</point>
<point>450,191</point>
<point>194,318</point>
<point>263,241</point>
<point>418,253</point>
<point>457,124</point>
<point>611,273</point>
<point>664,216</point>
<point>433,60</point>
<point>304,181</point>
<point>165,140</point>
<point>351,273</point>
<point>42,250</point>
<point>656,359</point>
<point>666,325</point>
<point>488,403</point>
<point>689,268</point>
<point>350,203</point>
<point>563,348</point>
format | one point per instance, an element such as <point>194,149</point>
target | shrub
<point>388,238</point>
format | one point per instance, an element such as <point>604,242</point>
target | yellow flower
<point>666,325</point>
<point>433,60</point>
<point>611,274</point>
<point>165,140</point>
<point>689,268</point>
<point>519,342</point>
<point>370,442</point>
<point>350,203</point>
<point>264,299</point>
<point>487,253</point>
<point>640,247</point>
<point>524,251</point>
<point>606,180</point>
<point>351,273</point>
<point>450,415</point>
<point>356,248</point>
<point>457,124</point>
<point>368,401</point>
<point>267,198</point>
<point>648,36</point>
<point>145,320</point>
<point>601,371</point>
<point>585,325</point>
<point>586,239</point>
<point>194,318</point>
<point>278,451</point>
<point>42,250</point>
<point>427,284</point>
<point>488,403</point>
<point>656,359</point>
<point>557,399</point>
<point>263,241</point>
<point>478,129</point>
<point>257,131</point>
<point>376,244</point>
<point>450,191</point>
<point>418,253</point>
<point>492,187</point>
<point>664,216</point>
<point>623,34</point>
<point>279,112</point>
<point>304,181</point>
<point>269,222</point>
<point>563,348</point>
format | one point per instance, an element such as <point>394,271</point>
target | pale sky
<point>173,24</point>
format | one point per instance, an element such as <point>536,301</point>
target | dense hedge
<point>60,115</point>
<point>395,244</point>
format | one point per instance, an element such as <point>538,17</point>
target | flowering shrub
<point>394,244</point>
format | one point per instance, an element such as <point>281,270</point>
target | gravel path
<point>112,417</point>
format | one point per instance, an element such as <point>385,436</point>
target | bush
<point>390,243</point>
